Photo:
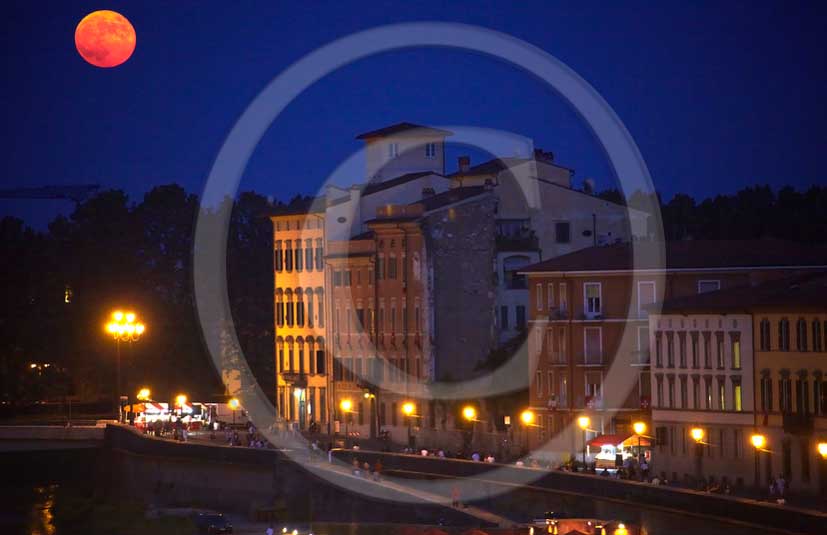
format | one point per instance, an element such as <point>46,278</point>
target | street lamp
<point>408,408</point>
<point>822,450</point>
<point>469,412</point>
<point>583,422</point>
<point>697,435</point>
<point>346,405</point>
<point>143,394</point>
<point>123,327</point>
<point>640,428</point>
<point>759,442</point>
<point>527,417</point>
<point>234,404</point>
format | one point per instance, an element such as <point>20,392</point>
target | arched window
<point>784,334</point>
<point>279,307</point>
<point>280,352</point>
<point>299,307</point>
<point>764,339</point>
<point>320,305</point>
<point>289,304</point>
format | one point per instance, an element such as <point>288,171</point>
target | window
<point>550,297</point>
<point>707,350</point>
<point>337,278</point>
<point>594,389</point>
<point>539,297</point>
<point>346,278</point>
<point>591,296</point>
<point>320,303</point>
<point>563,392</point>
<point>319,255</point>
<point>817,397</point>
<point>695,357</point>
<point>801,335</point>
<point>299,255</point>
<point>736,394</point>
<point>721,394</point>
<point>562,342</point>
<point>735,350</point>
<point>563,297</point>
<point>512,278</point>
<point>322,404</point>
<point>817,346</point>
<point>309,309</point>
<point>708,389</point>
<point>430,150</point>
<point>538,384</point>
<point>562,231</point>
<point>766,394</point>
<point>684,393</point>
<point>708,286</point>
<point>592,345</point>
<point>785,399</point>
<point>696,393</point>
<point>659,349</point>
<point>671,379</point>
<point>520,309</point>
<point>308,255</point>
<point>764,337</point>
<point>784,335</point>
<point>380,267</point>
<point>288,256</point>
<point>504,317</point>
<point>682,348</point>
<point>393,150</point>
<point>719,349</point>
<point>392,265</point>
<point>659,391</point>
<point>278,256</point>
<point>645,297</point>
<point>643,345</point>
<point>670,349</point>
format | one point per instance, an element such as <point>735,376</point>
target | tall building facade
<point>300,303</point>
<point>590,315</point>
<point>759,371</point>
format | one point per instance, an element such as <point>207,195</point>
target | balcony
<point>524,240</point>
<point>295,378</point>
<point>797,423</point>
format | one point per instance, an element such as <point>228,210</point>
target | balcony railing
<point>295,378</point>
<point>797,423</point>
<point>524,241</point>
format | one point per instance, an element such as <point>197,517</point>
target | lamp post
<point>123,327</point>
<point>759,442</point>
<point>640,428</point>
<point>697,435</point>
<point>234,404</point>
<point>143,394</point>
<point>584,422</point>
<point>527,417</point>
<point>470,415</point>
<point>408,409</point>
<point>346,406</point>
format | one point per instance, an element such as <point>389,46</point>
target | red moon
<point>105,38</point>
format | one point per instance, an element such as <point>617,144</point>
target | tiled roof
<point>690,254</point>
<point>313,206</point>
<point>491,167</point>
<point>373,187</point>
<point>800,292</point>
<point>449,197</point>
<point>402,127</point>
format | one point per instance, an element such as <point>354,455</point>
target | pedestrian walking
<point>269,530</point>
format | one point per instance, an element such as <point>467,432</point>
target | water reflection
<point>41,515</point>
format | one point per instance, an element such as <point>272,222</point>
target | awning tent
<point>617,441</point>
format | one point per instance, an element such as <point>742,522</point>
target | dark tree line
<point>60,285</point>
<point>751,213</point>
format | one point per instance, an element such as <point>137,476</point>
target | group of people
<point>170,428</point>
<point>365,470</point>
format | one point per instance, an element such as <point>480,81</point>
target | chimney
<point>427,192</point>
<point>464,163</point>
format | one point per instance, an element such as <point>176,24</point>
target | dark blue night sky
<point>718,95</point>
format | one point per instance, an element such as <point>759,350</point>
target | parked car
<point>212,523</point>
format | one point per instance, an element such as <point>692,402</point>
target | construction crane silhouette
<point>76,192</point>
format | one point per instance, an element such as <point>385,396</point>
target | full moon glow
<point>105,38</point>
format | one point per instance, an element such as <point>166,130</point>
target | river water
<point>35,485</point>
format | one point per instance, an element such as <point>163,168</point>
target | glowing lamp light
<point>346,405</point>
<point>697,434</point>
<point>139,328</point>
<point>117,315</point>
<point>143,394</point>
<point>527,416</point>
<point>180,400</point>
<point>234,404</point>
<point>130,317</point>
<point>408,408</point>
<point>822,449</point>
<point>758,441</point>
<point>639,427</point>
<point>469,413</point>
<point>583,422</point>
